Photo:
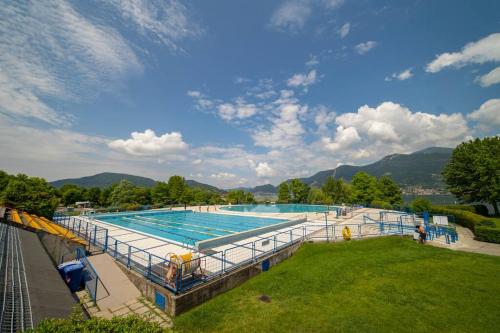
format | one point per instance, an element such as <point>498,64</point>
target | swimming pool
<point>187,227</point>
<point>279,208</point>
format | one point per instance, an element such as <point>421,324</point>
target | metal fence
<point>206,267</point>
<point>90,276</point>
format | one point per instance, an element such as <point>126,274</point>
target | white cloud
<point>223,175</point>
<point>164,20</point>
<point>263,170</point>
<point>239,110</point>
<point>344,30</point>
<point>484,50</point>
<point>286,129</point>
<point>363,48</point>
<point>404,75</point>
<point>393,128</point>
<point>313,61</point>
<point>39,41</point>
<point>488,115</point>
<point>148,144</point>
<point>490,78</point>
<point>303,80</point>
<point>323,118</point>
<point>291,15</point>
<point>194,93</point>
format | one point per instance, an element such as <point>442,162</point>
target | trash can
<point>72,274</point>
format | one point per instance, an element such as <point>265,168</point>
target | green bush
<point>380,204</point>
<point>487,234</point>
<point>420,205</point>
<point>484,228</point>
<point>77,323</point>
<point>481,210</point>
<point>478,209</point>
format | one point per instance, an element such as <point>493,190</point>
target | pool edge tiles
<point>228,239</point>
<point>186,232</point>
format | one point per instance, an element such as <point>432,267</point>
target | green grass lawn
<point>387,284</point>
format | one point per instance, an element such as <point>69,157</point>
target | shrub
<point>487,234</point>
<point>420,205</point>
<point>381,204</point>
<point>77,323</point>
<point>481,210</point>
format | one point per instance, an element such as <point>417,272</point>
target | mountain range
<point>422,168</point>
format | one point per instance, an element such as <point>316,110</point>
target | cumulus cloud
<point>344,30</point>
<point>263,170</point>
<point>404,75</point>
<point>391,127</point>
<point>364,47</point>
<point>286,129</point>
<point>484,50</point>
<point>148,144</point>
<point>488,115</point>
<point>303,80</point>
<point>490,78</point>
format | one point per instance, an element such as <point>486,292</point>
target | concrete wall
<point>177,304</point>
<point>59,249</point>
<point>233,238</point>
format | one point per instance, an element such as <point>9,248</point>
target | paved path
<point>116,288</point>
<point>467,243</point>
<point>117,296</point>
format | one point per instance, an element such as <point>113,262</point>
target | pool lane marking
<point>188,224</point>
<point>149,227</point>
<point>163,225</point>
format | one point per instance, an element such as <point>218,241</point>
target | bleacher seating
<point>36,223</point>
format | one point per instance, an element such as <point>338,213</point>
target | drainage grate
<point>15,307</point>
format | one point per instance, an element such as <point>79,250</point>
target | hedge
<point>485,229</point>
<point>487,234</point>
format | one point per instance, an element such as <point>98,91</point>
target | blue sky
<point>235,93</point>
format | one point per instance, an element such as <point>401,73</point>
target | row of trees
<point>363,189</point>
<point>35,195</point>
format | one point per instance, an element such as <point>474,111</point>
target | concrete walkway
<point>115,288</point>
<point>117,295</point>
<point>467,243</point>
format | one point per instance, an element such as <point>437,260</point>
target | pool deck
<point>162,247</point>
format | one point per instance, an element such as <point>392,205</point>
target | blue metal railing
<point>90,278</point>
<point>216,264</point>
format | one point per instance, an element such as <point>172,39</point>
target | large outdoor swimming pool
<point>186,227</point>
<point>279,208</point>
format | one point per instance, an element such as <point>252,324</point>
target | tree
<point>364,188</point>
<point>337,190</point>
<point>473,172</point>
<point>4,180</point>
<point>186,197</point>
<point>32,194</point>
<point>299,190</point>
<point>284,193</point>
<point>71,196</point>
<point>420,205</point>
<point>176,185</point>
<point>389,191</point>
<point>124,193</point>
<point>240,197</point>
<point>93,195</point>
<point>316,196</point>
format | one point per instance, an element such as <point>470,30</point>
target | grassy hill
<point>421,168</point>
<point>389,284</point>
<point>105,179</point>
<point>109,178</point>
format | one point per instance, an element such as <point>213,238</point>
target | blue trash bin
<point>72,273</point>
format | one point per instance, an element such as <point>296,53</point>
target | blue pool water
<point>186,226</point>
<point>279,208</point>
